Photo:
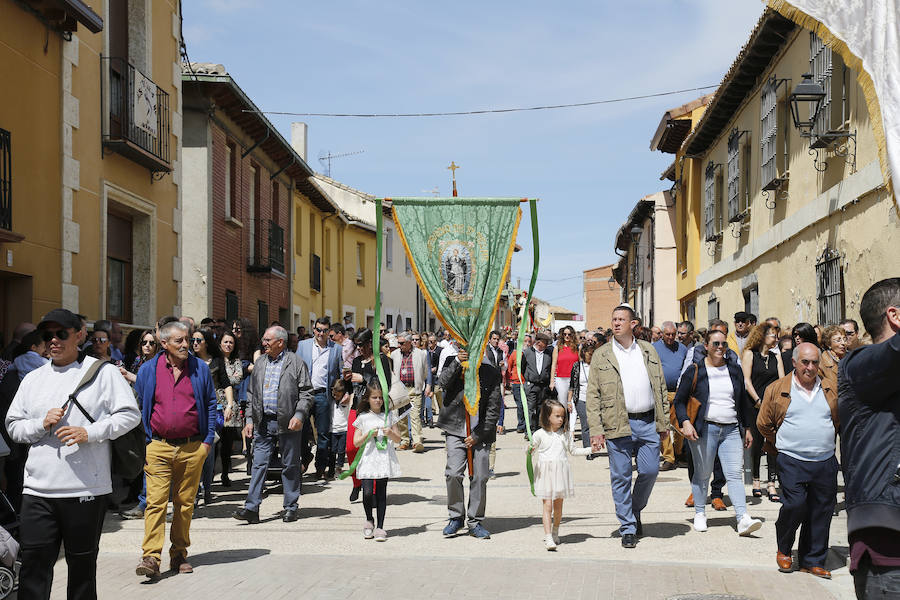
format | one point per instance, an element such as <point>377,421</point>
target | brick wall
<point>231,243</point>
<point>599,299</point>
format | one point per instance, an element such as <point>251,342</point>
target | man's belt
<point>642,415</point>
<point>319,390</point>
<point>178,441</point>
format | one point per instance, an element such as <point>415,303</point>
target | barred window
<point>820,65</point>
<point>734,174</point>
<point>830,287</point>
<point>769,132</point>
<point>712,307</point>
<point>709,201</point>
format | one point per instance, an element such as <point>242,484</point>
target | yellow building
<point>783,221</point>
<point>88,158</point>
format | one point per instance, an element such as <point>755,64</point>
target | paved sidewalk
<point>323,554</point>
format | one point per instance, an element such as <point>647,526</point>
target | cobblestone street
<point>324,555</point>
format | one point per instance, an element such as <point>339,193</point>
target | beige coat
<point>605,402</point>
<point>420,367</point>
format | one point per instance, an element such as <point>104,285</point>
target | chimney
<point>298,138</point>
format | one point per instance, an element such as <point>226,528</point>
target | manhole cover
<point>709,597</point>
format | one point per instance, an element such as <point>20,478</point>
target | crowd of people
<point>652,398</point>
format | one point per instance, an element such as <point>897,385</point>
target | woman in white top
<point>720,428</point>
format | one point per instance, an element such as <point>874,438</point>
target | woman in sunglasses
<point>720,428</point>
<point>147,349</point>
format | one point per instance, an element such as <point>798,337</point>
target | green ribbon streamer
<point>529,465</point>
<point>352,468</point>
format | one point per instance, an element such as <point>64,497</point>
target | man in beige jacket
<point>628,411</point>
<point>410,368</point>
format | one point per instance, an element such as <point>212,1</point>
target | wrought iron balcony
<point>276,247</point>
<point>275,259</point>
<point>137,124</point>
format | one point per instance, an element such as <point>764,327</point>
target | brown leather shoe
<point>180,564</point>
<point>667,466</point>
<point>718,504</point>
<point>817,571</point>
<point>148,567</point>
<point>690,501</point>
<point>785,562</point>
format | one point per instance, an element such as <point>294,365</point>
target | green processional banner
<point>460,250</point>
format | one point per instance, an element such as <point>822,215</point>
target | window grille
<point>769,132</point>
<point>821,66</point>
<point>712,224</point>
<point>830,287</point>
<point>712,307</point>
<point>734,174</point>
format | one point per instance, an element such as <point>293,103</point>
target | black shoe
<point>291,515</point>
<point>639,529</point>
<point>354,494</point>
<point>226,482</point>
<point>629,540</point>
<point>251,516</point>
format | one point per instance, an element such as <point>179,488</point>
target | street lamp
<point>636,233</point>
<point>807,94</point>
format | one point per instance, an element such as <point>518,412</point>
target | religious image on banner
<point>145,104</point>
<point>460,250</point>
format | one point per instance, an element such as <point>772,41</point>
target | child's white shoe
<point>549,543</point>
<point>555,535</point>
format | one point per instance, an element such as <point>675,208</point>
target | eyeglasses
<point>60,334</point>
<point>148,343</point>
<point>197,340</point>
<point>719,344</point>
<point>235,328</point>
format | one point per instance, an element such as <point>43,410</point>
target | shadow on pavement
<point>401,499</point>
<point>323,513</point>
<point>506,474</point>
<point>408,479</point>
<point>665,530</point>
<point>407,531</point>
<point>503,524</point>
<point>575,538</point>
<point>221,557</point>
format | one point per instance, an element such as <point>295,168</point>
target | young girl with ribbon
<point>378,462</point>
<point>553,480</point>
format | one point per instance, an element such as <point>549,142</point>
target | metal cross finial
<point>452,168</point>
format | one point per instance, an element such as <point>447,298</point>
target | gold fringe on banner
<point>789,11</point>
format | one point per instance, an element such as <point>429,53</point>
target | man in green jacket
<point>628,410</point>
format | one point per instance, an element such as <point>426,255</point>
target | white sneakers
<point>549,542</point>
<point>555,535</point>
<point>700,522</point>
<point>748,525</point>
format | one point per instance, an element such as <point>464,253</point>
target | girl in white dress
<point>552,474</point>
<point>375,466</point>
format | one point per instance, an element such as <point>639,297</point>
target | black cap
<point>64,317</point>
<point>741,316</point>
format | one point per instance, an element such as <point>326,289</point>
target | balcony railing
<point>138,122</point>
<point>276,247</point>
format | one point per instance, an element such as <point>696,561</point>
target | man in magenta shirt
<point>178,405</point>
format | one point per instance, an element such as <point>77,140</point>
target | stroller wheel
<point>7,582</point>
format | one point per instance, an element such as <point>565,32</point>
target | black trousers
<point>876,583</point>
<point>47,522</point>
<point>808,491</point>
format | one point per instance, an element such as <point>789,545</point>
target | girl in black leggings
<point>376,465</point>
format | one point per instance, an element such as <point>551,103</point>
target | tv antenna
<point>433,191</point>
<point>326,159</point>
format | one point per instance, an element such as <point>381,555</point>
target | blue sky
<point>589,166</point>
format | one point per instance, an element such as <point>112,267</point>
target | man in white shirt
<point>628,410</point>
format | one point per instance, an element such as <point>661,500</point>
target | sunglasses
<point>321,330</point>
<point>95,340</point>
<point>719,344</point>
<point>60,334</point>
<point>197,340</point>
<point>148,343</point>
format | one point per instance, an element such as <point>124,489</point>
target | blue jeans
<point>265,435</point>
<point>629,503</point>
<point>520,412</point>
<point>725,442</point>
<point>321,410</point>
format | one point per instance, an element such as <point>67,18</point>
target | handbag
<point>399,395</point>
<point>129,450</point>
<point>693,406</point>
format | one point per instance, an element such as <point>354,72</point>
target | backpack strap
<point>89,376</point>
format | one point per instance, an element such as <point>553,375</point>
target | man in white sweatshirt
<point>67,474</point>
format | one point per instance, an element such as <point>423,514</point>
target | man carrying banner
<point>472,447</point>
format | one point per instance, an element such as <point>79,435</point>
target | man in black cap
<point>742,326</point>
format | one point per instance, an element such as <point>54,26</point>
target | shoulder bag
<point>693,405</point>
<point>129,449</point>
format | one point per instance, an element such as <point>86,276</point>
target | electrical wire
<point>484,111</point>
